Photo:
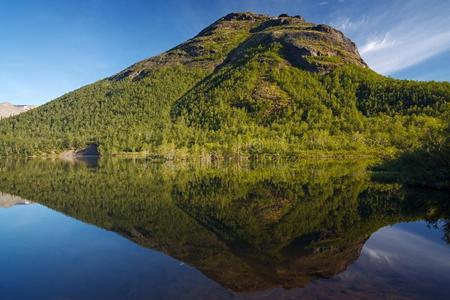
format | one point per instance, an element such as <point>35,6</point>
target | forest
<point>234,113</point>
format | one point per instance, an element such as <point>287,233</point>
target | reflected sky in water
<point>407,260</point>
<point>47,255</point>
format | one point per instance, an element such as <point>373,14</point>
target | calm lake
<point>124,229</point>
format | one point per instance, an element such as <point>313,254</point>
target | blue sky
<point>50,47</point>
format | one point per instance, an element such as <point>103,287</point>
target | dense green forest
<point>247,86</point>
<point>245,227</point>
<point>428,165</point>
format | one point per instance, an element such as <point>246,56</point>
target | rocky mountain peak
<point>313,47</point>
<point>243,16</point>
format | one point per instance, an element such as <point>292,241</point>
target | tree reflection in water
<point>247,228</point>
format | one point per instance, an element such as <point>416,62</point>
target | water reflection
<point>7,200</point>
<point>248,229</point>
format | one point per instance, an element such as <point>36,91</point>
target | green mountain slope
<point>247,85</point>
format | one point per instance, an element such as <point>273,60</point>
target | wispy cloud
<point>378,44</point>
<point>403,48</point>
<point>405,35</point>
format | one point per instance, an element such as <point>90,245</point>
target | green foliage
<point>428,165</point>
<point>287,109</point>
<point>120,116</point>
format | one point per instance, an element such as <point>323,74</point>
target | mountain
<point>248,85</point>
<point>8,109</point>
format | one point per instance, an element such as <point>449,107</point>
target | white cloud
<point>387,57</point>
<point>378,44</point>
<point>350,25</point>
<point>404,35</point>
<point>345,24</point>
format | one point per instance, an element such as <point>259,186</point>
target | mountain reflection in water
<point>249,228</point>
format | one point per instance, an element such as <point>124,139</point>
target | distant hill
<point>247,85</point>
<point>8,109</point>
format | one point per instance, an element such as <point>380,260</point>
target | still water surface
<point>126,229</point>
